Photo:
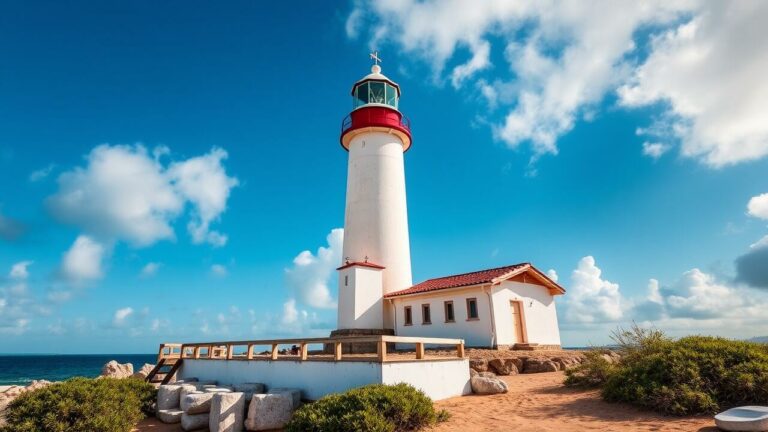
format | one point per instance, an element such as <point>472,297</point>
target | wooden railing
<point>228,350</point>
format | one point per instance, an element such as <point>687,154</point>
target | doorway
<point>518,328</point>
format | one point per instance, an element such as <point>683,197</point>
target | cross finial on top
<point>375,57</point>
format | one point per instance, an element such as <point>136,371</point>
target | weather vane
<point>375,57</point>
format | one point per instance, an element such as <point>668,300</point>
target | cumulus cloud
<point>758,206</point>
<point>124,193</point>
<point>83,261</point>
<point>42,173</point>
<point>309,277</point>
<point>752,267</point>
<point>150,269</point>
<point>590,298</point>
<point>654,150</point>
<point>703,63</point>
<point>219,270</point>
<point>552,274</point>
<point>19,270</point>
<point>121,315</point>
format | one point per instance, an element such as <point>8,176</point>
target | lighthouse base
<point>362,347</point>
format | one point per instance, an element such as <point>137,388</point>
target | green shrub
<point>592,372</point>
<point>692,375</point>
<point>373,408</point>
<point>81,404</point>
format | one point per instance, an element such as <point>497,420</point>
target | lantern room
<point>375,108</point>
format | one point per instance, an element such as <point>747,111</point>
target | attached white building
<point>499,307</point>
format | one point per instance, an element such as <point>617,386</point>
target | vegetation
<point>692,375</point>
<point>82,404</point>
<point>373,408</point>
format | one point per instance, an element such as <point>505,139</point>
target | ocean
<point>22,369</point>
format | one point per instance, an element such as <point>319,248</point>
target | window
<point>346,280</point>
<point>377,92</point>
<point>408,315</point>
<point>391,96</point>
<point>361,94</point>
<point>426,317</point>
<point>472,309</point>
<point>449,316</point>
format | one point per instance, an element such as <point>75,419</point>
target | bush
<point>373,408</point>
<point>81,404</point>
<point>692,375</point>
<point>592,372</point>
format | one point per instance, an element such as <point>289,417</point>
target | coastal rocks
<point>12,392</point>
<point>113,369</point>
<point>143,373</point>
<point>294,394</point>
<point>486,385</point>
<point>169,415</point>
<point>479,365</point>
<point>197,403</point>
<point>539,366</point>
<point>249,389</point>
<point>227,412</point>
<point>566,363</point>
<point>193,422</point>
<point>509,366</point>
<point>168,397</point>
<point>269,411</point>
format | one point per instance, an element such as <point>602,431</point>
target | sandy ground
<point>539,403</point>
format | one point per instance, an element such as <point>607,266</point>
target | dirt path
<point>539,403</point>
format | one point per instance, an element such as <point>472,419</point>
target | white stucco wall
<point>376,216</point>
<point>438,379</point>
<point>538,308</point>
<point>475,333</point>
<point>360,300</point>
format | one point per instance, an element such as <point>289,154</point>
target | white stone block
<point>218,390</point>
<point>185,390</point>
<point>193,422</point>
<point>169,415</point>
<point>168,397</point>
<point>269,411</point>
<point>227,412</point>
<point>294,392</point>
<point>197,403</point>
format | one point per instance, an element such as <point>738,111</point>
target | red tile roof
<point>360,263</point>
<point>476,278</point>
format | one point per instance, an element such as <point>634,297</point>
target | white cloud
<point>204,182</point>
<point>703,63</point>
<point>83,261</point>
<point>590,298</point>
<point>310,274</point>
<point>150,269</point>
<point>219,270</point>
<point>710,72</point>
<point>42,173</point>
<point>758,206</point>
<point>124,193</point>
<point>654,150</point>
<point>121,315</point>
<point>552,274</point>
<point>19,270</point>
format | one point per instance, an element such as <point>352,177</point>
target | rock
<point>143,373</point>
<point>505,366</point>
<point>487,374</point>
<point>217,389</point>
<point>486,385</point>
<point>538,366</point>
<point>190,380</point>
<point>269,411</point>
<point>114,369</point>
<point>473,372</point>
<point>295,394</point>
<point>568,362</point>
<point>249,389</point>
<point>193,422</point>
<point>169,415</point>
<point>12,392</point>
<point>227,412</point>
<point>479,365</point>
<point>168,396</point>
<point>197,403</point>
<point>187,389</point>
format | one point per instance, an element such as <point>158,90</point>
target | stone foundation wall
<point>360,347</point>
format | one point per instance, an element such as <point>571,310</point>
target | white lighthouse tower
<point>377,256</point>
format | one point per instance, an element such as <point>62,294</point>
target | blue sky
<point>610,158</point>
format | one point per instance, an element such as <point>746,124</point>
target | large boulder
<point>540,365</point>
<point>269,411</point>
<point>294,393</point>
<point>187,389</point>
<point>566,362</point>
<point>506,366</point>
<point>227,412</point>
<point>478,365</point>
<point>486,385</point>
<point>12,392</point>
<point>249,389</point>
<point>197,403</point>
<point>114,369</point>
<point>169,415</point>
<point>193,422</point>
<point>168,397</point>
<point>143,373</point>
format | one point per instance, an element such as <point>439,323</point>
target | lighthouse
<point>376,250</point>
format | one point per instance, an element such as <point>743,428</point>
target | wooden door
<point>517,323</point>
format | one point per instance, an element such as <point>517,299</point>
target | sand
<point>539,403</point>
